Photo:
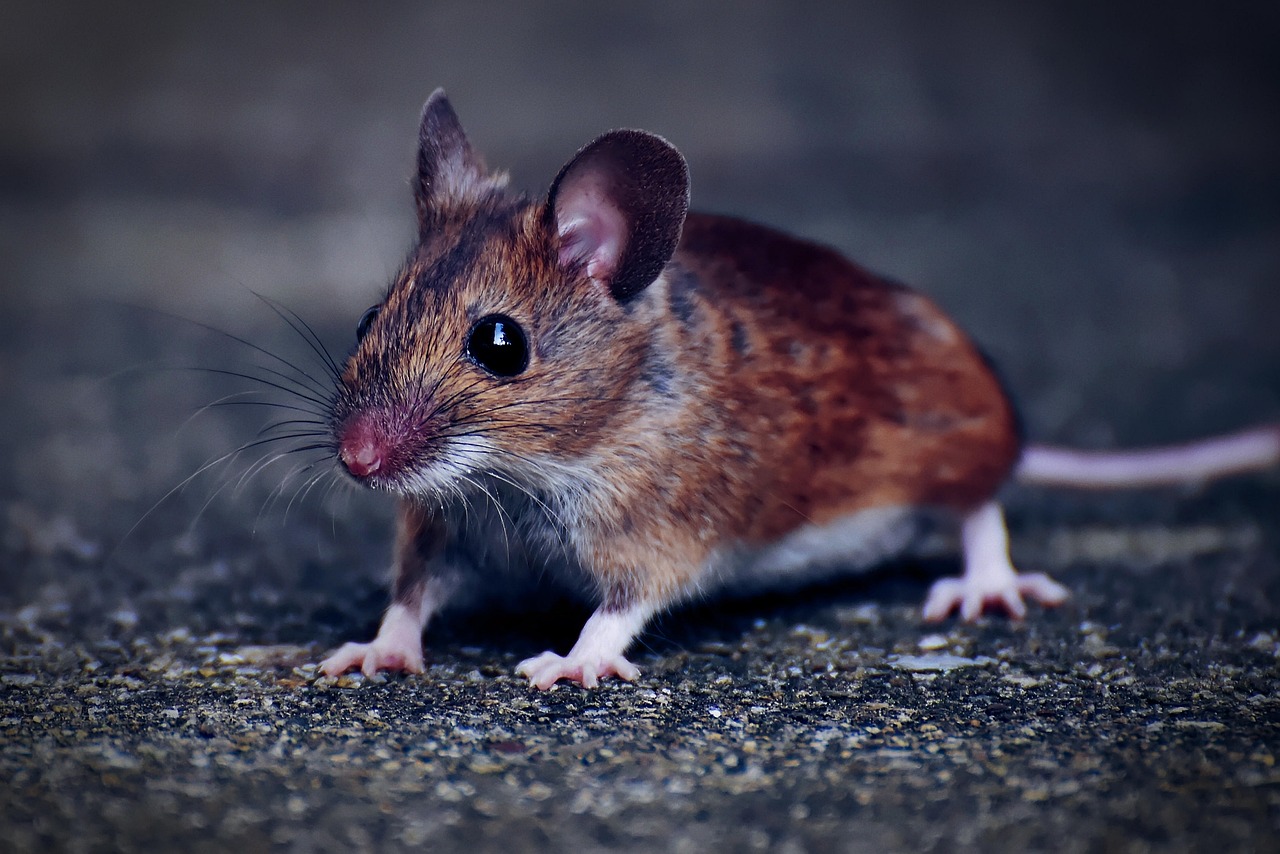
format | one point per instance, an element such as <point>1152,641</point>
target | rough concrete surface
<point>1093,190</point>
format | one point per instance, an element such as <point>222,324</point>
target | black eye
<point>498,345</point>
<point>366,320</point>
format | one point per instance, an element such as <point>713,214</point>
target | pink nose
<point>361,460</point>
<point>362,451</point>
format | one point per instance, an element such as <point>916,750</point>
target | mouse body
<point>651,403</point>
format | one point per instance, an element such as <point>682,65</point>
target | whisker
<point>298,422</point>
<point>323,392</point>
<point>557,522</point>
<point>503,516</point>
<point>334,483</point>
<point>313,340</point>
<point>466,505</point>
<point>271,404</point>
<point>301,390</point>
<point>296,434</point>
<point>455,397</point>
<point>262,463</point>
<point>208,501</point>
<point>251,378</point>
<point>236,338</point>
<point>292,476</point>
<point>311,482</point>
<point>299,434</point>
<point>182,484</point>
<point>276,493</point>
<point>228,400</point>
<point>498,428</point>
<point>308,397</point>
<point>252,470</point>
<point>540,401</point>
<point>537,464</point>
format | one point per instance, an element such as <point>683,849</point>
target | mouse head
<point>516,331</point>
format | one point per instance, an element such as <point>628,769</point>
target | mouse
<point>652,404</point>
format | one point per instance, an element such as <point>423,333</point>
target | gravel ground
<point>1093,191</point>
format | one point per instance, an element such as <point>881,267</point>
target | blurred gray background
<point>1092,188</point>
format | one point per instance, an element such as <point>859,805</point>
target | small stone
<point>933,642</point>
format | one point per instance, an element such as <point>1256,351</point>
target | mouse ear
<point>450,173</point>
<point>618,208</point>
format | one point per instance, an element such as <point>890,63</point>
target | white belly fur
<point>852,543</point>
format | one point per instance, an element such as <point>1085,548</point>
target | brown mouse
<point>656,403</point>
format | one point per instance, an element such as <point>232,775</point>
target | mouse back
<point>838,390</point>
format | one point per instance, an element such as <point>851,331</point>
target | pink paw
<point>973,594</point>
<point>545,670</point>
<point>373,657</point>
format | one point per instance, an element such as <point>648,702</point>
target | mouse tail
<point>1194,462</point>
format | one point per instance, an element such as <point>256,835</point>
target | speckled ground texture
<point>1093,191</point>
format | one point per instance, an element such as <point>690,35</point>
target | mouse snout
<point>363,448</point>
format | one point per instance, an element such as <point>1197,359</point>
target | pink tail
<point>1250,450</point>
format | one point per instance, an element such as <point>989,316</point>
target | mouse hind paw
<point>989,577</point>
<point>972,594</point>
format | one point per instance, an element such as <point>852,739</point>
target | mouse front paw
<point>545,670</point>
<point>372,657</point>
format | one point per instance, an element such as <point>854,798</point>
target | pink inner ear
<point>592,230</point>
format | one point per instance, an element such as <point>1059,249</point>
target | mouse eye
<point>366,320</point>
<point>498,345</point>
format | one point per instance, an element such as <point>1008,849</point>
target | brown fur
<point>419,540</point>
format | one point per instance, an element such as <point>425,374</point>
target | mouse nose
<point>361,459</point>
<point>362,450</point>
